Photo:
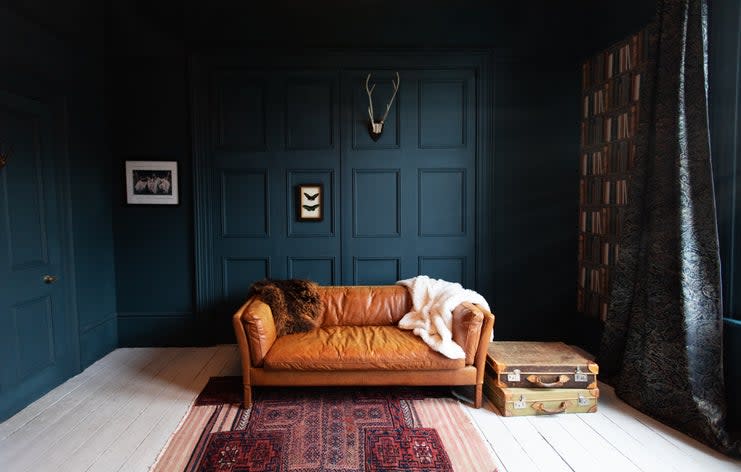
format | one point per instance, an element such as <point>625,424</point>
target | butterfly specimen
<point>311,207</point>
<point>311,197</point>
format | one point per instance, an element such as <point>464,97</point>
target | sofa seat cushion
<point>355,348</point>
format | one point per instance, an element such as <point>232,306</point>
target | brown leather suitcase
<point>521,364</point>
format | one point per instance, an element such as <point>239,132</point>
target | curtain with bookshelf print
<point>611,85</point>
<point>662,341</point>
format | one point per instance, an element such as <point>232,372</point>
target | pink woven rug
<point>325,429</point>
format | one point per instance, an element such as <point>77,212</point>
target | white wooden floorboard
<point>648,438</point>
<point>681,450</point>
<point>607,454</point>
<point>120,412</point>
<point>126,386</point>
<point>51,421</point>
<point>143,393</point>
<point>510,453</point>
<point>574,453</point>
<point>535,446</point>
<point>644,458</point>
<point>149,447</point>
<point>501,467</point>
<point>122,436</point>
<point>701,453</point>
<point>18,420</point>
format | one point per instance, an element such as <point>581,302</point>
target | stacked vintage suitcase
<point>537,378</point>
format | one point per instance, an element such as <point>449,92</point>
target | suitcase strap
<point>540,406</point>
<point>560,381</point>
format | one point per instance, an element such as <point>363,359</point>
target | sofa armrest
<point>467,322</point>
<point>255,329</point>
<point>487,327</point>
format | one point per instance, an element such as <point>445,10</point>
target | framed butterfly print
<point>310,202</point>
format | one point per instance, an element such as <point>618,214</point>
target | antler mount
<point>376,127</point>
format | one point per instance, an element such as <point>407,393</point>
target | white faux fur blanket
<point>431,318</point>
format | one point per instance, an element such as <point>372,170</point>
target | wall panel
<point>376,270</point>
<point>309,117</point>
<point>33,320</point>
<point>239,119</point>
<point>245,203</point>
<point>452,269</point>
<point>442,114</point>
<point>240,272</point>
<point>319,269</point>
<point>376,201</point>
<point>442,202</point>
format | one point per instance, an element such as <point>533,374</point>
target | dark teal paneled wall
<point>725,134</point>
<point>536,49</point>
<point>725,119</point>
<point>60,58</point>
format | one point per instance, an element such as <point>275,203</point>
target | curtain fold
<point>662,342</point>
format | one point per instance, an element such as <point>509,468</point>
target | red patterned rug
<point>332,429</point>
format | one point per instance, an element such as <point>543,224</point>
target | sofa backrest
<point>364,305</point>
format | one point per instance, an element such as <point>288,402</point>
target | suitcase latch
<point>513,376</point>
<point>582,400</point>
<point>580,376</point>
<point>521,403</point>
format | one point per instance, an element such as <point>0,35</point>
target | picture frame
<point>310,202</point>
<point>151,183</point>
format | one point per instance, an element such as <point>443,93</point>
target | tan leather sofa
<point>358,343</point>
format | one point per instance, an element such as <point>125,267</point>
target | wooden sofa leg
<point>478,400</point>
<point>247,396</point>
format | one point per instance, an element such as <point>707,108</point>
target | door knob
<point>49,279</point>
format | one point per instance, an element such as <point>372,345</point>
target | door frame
<point>204,214</point>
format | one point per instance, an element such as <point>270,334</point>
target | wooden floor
<point>118,414</point>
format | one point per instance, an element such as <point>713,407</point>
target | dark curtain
<point>662,341</point>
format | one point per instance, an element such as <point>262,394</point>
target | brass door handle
<point>49,279</point>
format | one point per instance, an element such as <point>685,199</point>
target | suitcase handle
<point>539,406</point>
<point>535,379</point>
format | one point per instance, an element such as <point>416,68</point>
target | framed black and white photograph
<point>152,183</point>
<point>310,202</point>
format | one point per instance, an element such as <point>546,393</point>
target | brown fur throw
<point>295,304</point>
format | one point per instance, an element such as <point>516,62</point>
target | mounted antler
<point>376,127</point>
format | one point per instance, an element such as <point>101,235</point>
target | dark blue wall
<point>536,49</point>
<point>60,51</point>
<point>148,110</point>
<point>725,119</point>
<point>732,349</point>
<point>725,134</point>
